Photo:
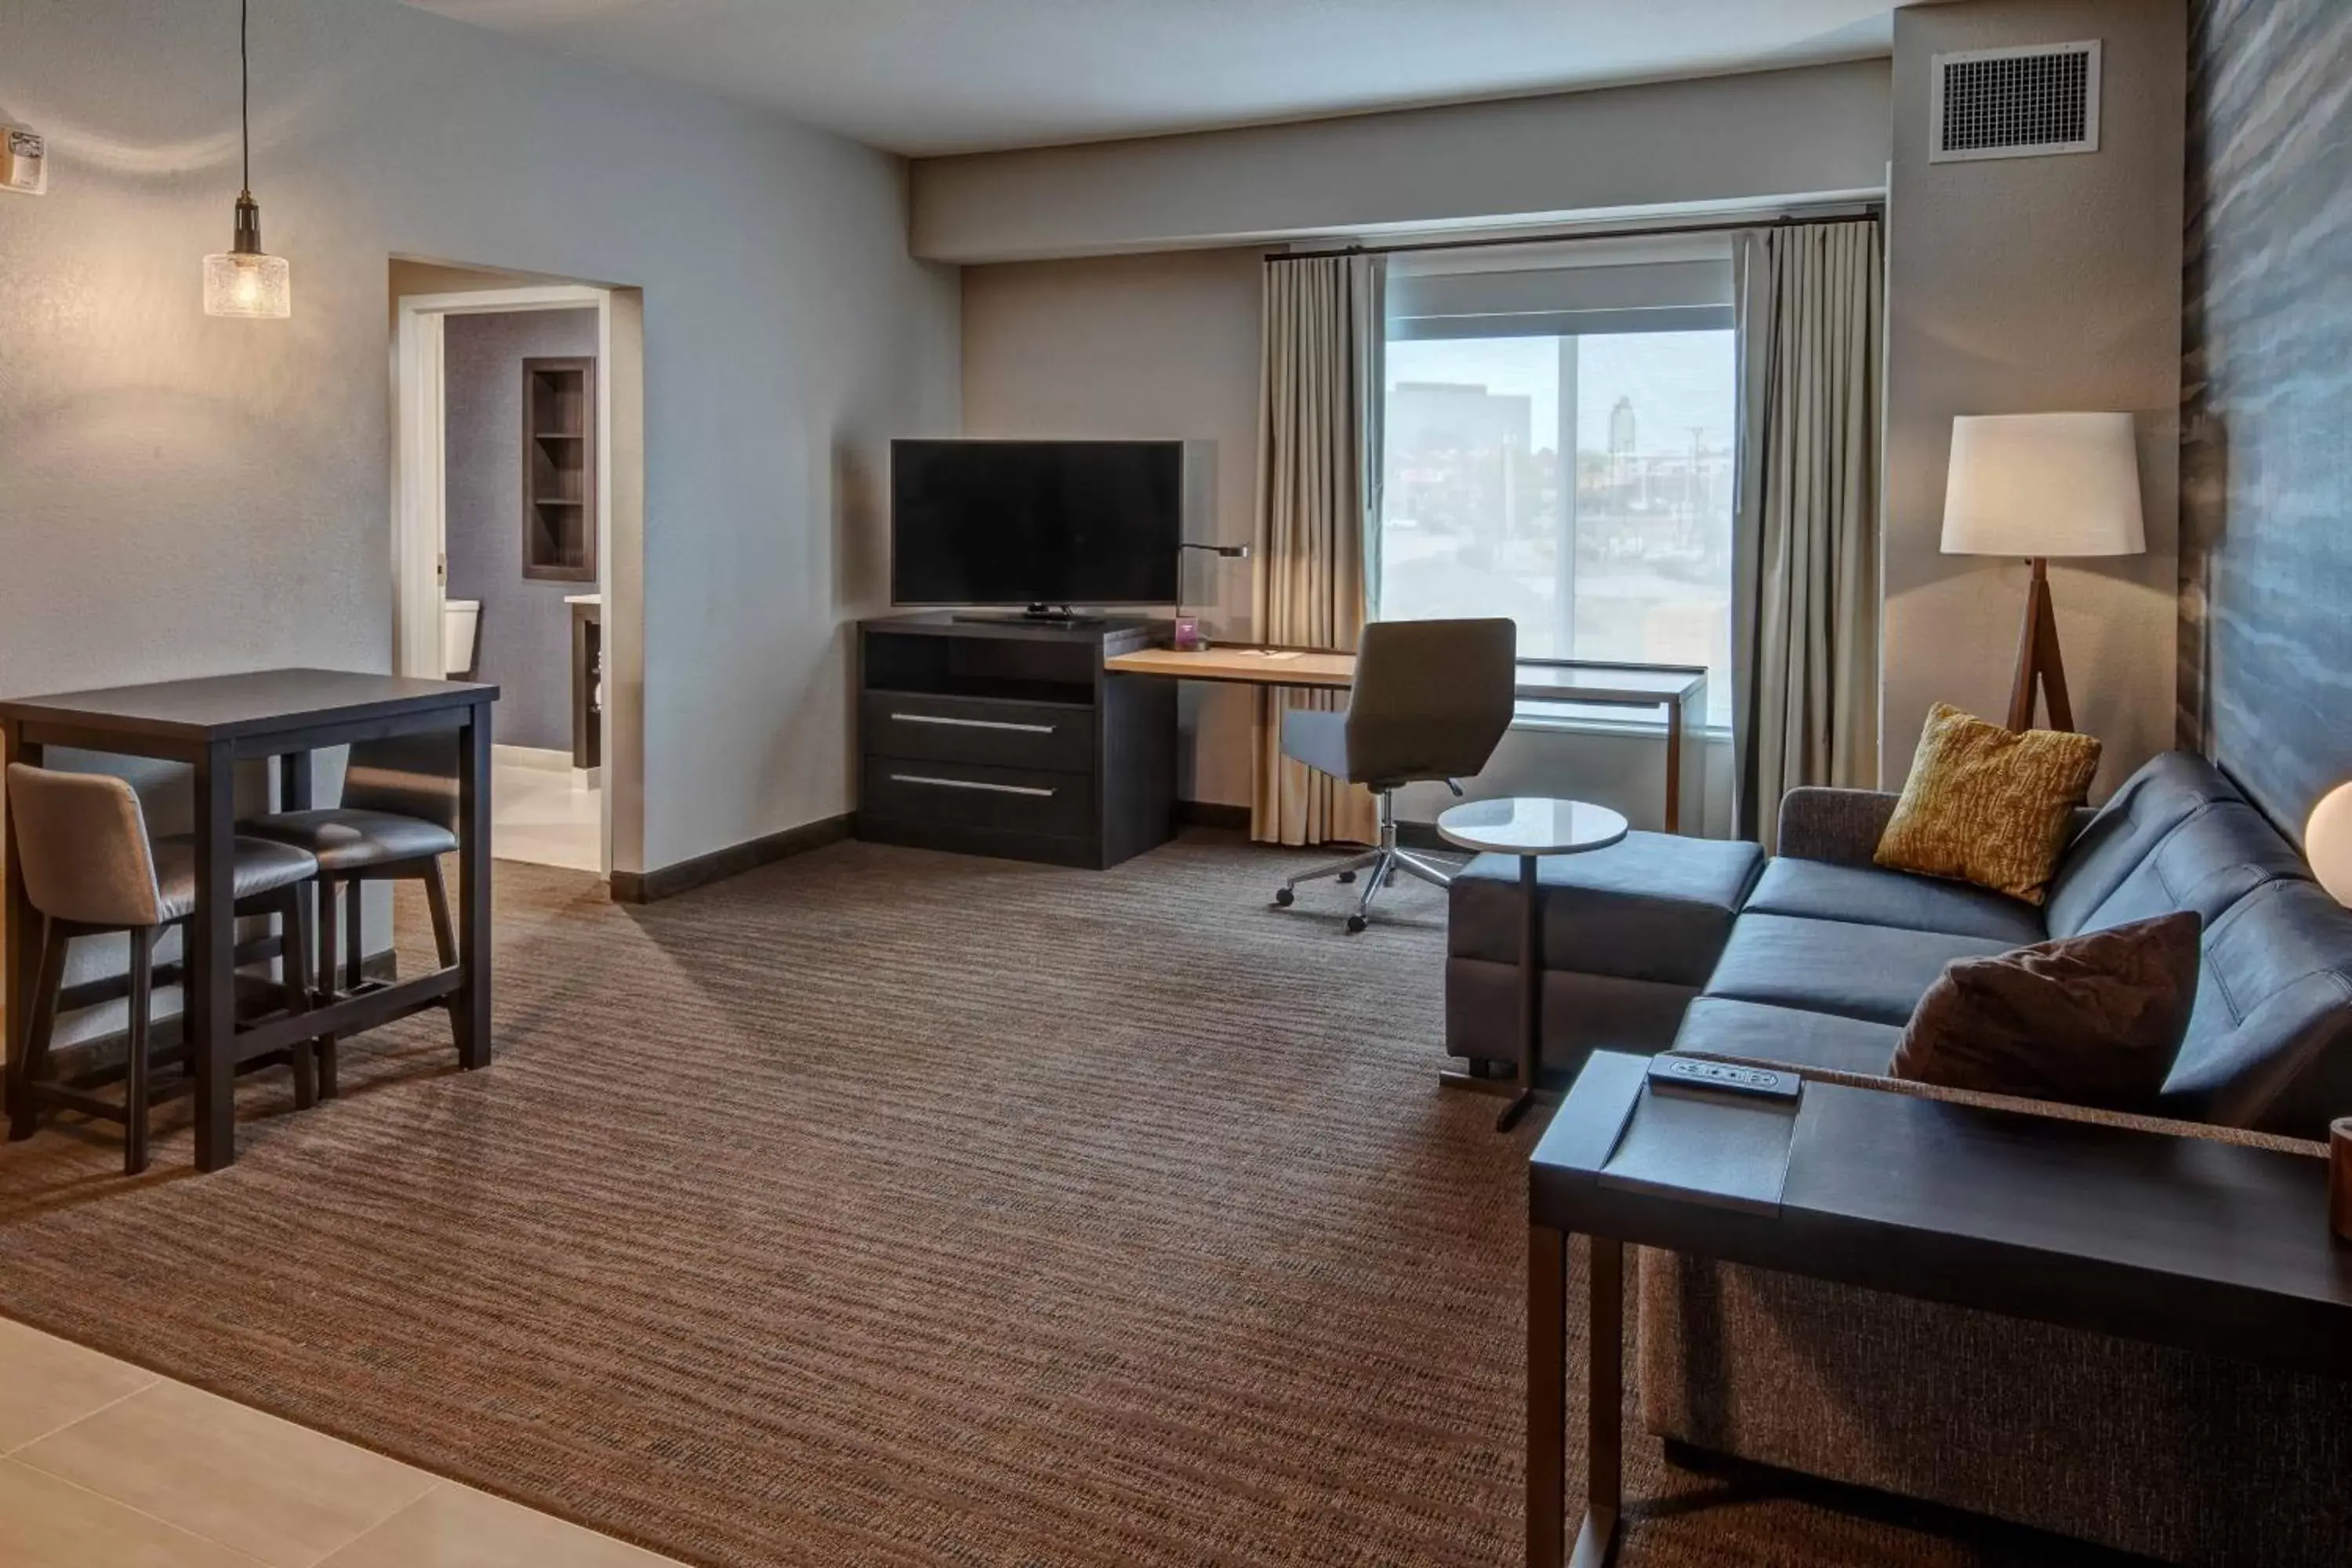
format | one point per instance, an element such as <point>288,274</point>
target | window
<point>1559,449</point>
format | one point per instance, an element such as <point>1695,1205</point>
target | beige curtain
<point>1805,558</point>
<point>1319,501</point>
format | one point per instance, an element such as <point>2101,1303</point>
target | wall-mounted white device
<point>24,161</point>
<point>2014,103</point>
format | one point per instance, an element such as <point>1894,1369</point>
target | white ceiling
<point>951,75</point>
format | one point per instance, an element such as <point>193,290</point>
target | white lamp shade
<point>2043,484</point>
<point>2327,841</point>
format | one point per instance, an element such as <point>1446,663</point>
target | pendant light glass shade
<point>239,285</point>
<point>246,280</point>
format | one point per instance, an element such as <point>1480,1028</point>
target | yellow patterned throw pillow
<point>1987,806</point>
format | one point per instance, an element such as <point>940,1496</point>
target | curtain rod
<point>1870,213</point>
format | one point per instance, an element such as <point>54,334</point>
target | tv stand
<point>1005,735</point>
<point>1035,616</point>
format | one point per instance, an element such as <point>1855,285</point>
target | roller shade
<point>1562,301</point>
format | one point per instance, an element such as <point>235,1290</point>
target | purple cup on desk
<point>1187,631</point>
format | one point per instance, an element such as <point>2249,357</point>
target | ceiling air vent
<point>2016,103</point>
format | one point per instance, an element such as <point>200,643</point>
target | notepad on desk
<point>1268,652</point>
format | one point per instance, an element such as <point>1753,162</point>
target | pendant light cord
<point>243,94</point>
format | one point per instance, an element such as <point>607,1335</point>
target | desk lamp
<point>1188,628</point>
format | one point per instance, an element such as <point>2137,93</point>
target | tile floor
<point>538,814</point>
<point>105,1466</point>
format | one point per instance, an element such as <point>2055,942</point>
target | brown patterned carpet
<point>886,1207</point>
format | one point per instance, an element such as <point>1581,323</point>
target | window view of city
<point>1631,560</point>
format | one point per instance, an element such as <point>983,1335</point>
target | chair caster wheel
<point>1355,924</point>
<point>1346,876</point>
<point>1283,898</point>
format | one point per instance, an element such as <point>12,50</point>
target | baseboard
<point>1424,836</point>
<point>683,876</point>
<point>543,758</point>
<point>1212,814</point>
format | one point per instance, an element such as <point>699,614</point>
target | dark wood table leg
<point>294,794</point>
<point>1546,1396</point>
<point>212,957</point>
<point>1604,1408</point>
<point>23,957</point>
<point>294,781</point>
<point>1675,717</point>
<point>470,1011</point>
<point>1530,997</point>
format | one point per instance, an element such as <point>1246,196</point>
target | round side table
<point>1530,829</point>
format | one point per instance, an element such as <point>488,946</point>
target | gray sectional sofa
<point>1814,959</point>
<point>1817,957</point>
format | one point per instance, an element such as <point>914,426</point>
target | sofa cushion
<point>1988,805</point>
<point>1655,906</point>
<point>1785,1036</point>
<point>2149,804</point>
<point>2094,1019</point>
<point>1865,895</point>
<point>2270,1040</point>
<point>2219,854</point>
<point>1872,973</point>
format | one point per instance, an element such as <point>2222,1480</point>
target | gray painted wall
<point>1162,346</point>
<point>524,644</point>
<point>1768,135</point>
<point>2030,285</point>
<point>2267,547</point>
<point>185,495</point>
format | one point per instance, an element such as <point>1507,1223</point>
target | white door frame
<point>420,521</point>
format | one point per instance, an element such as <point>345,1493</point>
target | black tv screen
<point>1035,522</point>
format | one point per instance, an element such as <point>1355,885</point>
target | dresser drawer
<point>967,794</point>
<point>1038,736</point>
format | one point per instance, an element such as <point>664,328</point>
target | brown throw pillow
<point>2092,1020</point>
<point>1987,806</point>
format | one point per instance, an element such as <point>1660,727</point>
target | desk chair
<point>92,871</point>
<point>1431,701</point>
<point>398,817</point>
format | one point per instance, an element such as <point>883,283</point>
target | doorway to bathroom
<point>517,518</point>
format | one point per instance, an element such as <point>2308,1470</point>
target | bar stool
<point>92,871</point>
<point>398,817</point>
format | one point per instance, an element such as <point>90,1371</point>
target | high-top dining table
<point>214,723</point>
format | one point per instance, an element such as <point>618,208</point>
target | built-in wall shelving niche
<point>559,469</point>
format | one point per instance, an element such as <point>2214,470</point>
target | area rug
<point>889,1208</point>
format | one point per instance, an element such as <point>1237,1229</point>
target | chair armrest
<point>1840,825</point>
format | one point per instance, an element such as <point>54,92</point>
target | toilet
<point>461,622</point>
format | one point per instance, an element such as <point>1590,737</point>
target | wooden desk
<point>2180,1241</point>
<point>1677,690</point>
<point>213,724</point>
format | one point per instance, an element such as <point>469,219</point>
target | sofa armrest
<point>2055,1110</point>
<point>1840,825</point>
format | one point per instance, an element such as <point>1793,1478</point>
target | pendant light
<point>247,281</point>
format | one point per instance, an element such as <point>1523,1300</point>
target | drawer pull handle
<point>972,723</point>
<point>969,784</point>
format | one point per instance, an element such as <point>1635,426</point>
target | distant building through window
<point>1580,484</point>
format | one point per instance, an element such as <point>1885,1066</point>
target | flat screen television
<point>1041,523</point>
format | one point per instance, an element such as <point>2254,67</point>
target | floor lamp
<point>2035,486</point>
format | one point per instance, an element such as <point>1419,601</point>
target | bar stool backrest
<point>81,839</point>
<point>408,775</point>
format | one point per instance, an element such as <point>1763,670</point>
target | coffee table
<point>2143,1235</point>
<point>1531,829</point>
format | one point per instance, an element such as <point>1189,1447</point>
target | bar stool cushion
<point>345,838</point>
<point>262,867</point>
